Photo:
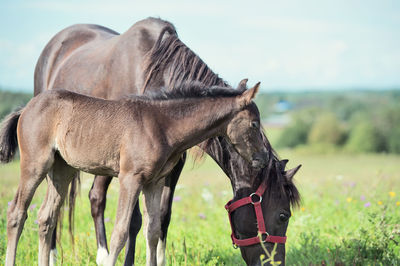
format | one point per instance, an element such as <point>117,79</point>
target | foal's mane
<point>171,56</point>
<point>187,90</point>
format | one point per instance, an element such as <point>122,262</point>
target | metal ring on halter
<point>264,240</point>
<point>254,194</point>
<point>235,246</point>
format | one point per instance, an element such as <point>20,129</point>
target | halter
<point>254,199</point>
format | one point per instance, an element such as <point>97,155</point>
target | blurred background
<point>330,100</point>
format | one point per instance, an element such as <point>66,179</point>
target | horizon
<point>291,46</point>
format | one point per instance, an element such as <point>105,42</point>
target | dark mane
<point>274,174</point>
<point>170,56</point>
<point>278,184</point>
<point>187,90</point>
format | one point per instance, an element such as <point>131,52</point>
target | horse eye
<point>255,124</point>
<point>283,217</point>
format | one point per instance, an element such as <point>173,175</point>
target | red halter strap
<point>255,199</point>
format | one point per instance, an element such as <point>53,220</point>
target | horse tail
<point>73,192</point>
<point>8,136</point>
<point>69,202</point>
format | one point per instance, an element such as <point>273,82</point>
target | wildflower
<point>177,198</point>
<point>106,220</point>
<point>380,202</point>
<point>9,203</point>
<point>366,205</point>
<point>349,199</point>
<point>88,234</point>
<point>202,216</point>
<point>36,222</point>
<point>32,207</point>
<point>207,195</point>
<point>362,197</point>
<point>392,194</point>
<point>303,209</point>
<point>398,203</point>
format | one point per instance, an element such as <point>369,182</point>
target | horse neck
<point>193,121</point>
<point>240,173</point>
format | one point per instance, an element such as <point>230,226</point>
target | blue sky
<point>291,45</point>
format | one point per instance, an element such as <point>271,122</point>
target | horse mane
<point>172,57</point>
<point>274,176</point>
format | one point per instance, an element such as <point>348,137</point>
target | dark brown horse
<point>57,133</point>
<point>98,61</point>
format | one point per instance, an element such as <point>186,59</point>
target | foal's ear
<point>248,95</point>
<point>290,173</point>
<point>242,86</point>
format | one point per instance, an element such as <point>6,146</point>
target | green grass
<point>332,226</point>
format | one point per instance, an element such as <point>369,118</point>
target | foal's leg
<point>166,207</point>
<point>134,228</point>
<point>130,187</point>
<point>32,174</point>
<point>152,226</point>
<point>59,178</point>
<point>97,196</point>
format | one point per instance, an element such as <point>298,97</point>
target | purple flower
<point>366,205</point>
<point>362,197</point>
<point>106,220</point>
<point>32,207</point>
<point>202,216</point>
<point>36,222</point>
<point>9,203</point>
<point>177,198</point>
<point>353,184</point>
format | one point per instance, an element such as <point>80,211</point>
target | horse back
<point>97,61</point>
<point>61,46</point>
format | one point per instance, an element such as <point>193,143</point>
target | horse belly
<point>90,157</point>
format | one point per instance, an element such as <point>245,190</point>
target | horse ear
<point>248,95</point>
<point>242,86</point>
<point>290,173</point>
<point>283,163</point>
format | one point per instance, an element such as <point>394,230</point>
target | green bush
<point>327,129</point>
<point>294,135</point>
<point>394,140</point>
<point>364,137</point>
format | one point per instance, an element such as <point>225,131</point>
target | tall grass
<point>350,214</point>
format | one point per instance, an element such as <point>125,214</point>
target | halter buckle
<point>259,198</point>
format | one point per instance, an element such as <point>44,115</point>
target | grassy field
<point>350,214</point>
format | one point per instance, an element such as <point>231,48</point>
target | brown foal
<point>142,139</point>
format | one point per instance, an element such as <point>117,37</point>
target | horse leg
<point>97,196</point>
<point>32,174</point>
<point>53,247</point>
<point>130,187</point>
<point>134,228</point>
<point>59,178</point>
<point>152,226</point>
<point>166,207</point>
